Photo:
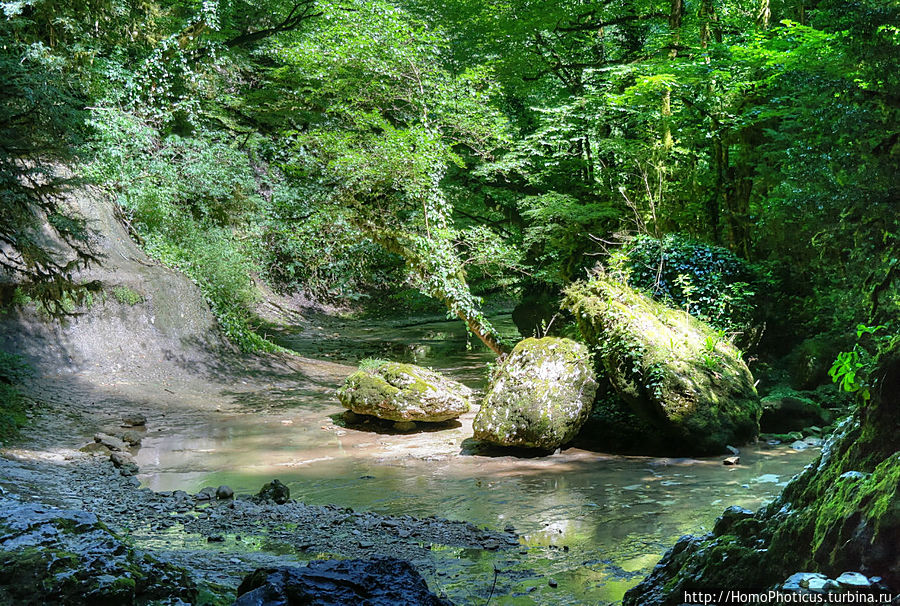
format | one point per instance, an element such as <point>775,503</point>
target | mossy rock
<point>672,369</point>
<point>58,556</point>
<point>613,427</point>
<point>786,410</point>
<point>842,513</point>
<point>404,392</point>
<point>539,397</point>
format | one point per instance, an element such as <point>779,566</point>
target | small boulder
<point>95,448</point>
<point>134,420</point>
<point>539,397</point>
<point>801,580</point>
<point>787,410</point>
<point>380,581</point>
<point>224,492</point>
<point>124,462</point>
<point>404,392</point>
<point>274,491</point>
<point>854,580</point>
<point>111,442</point>
<point>132,438</point>
<point>671,368</point>
<point>207,493</point>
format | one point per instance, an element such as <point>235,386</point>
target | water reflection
<point>594,523</point>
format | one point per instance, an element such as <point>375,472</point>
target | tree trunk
<point>457,299</point>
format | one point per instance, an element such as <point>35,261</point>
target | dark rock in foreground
<point>379,582</point>
<point>62,556</point>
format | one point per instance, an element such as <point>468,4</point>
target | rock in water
<point>134,420</point>
<point>787,410</point>
<point>274,491</point>
<point>111,442</point>
<point>672,369</point>
<point>377,582</point>
<point>404,392</point>
<point>540,397</point>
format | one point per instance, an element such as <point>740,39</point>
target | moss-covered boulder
<point>539,397</point>
<point>786,410</point>
<point>672,369</point>
<point>842,513</point>
<point>60,556</point>
<point>404,392</point>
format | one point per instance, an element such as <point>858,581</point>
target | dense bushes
<point>709,282</point>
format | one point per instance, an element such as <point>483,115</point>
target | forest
<point>631,233</point>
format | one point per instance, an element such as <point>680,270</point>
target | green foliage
<point>852,369</point>
<point>183,198</point>
<point>127,296</point>
<point>708,282</point>
<point>370,364</point>
<point>334,146</point>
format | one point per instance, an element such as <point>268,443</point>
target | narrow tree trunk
<point>675,16</point>
<point>456,299</point>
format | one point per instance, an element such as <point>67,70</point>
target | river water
<point>592,524</point>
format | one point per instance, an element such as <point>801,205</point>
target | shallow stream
<point>591,524</point>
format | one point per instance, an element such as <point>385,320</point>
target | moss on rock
<point>842,513</point>
<point>404,392</point>
<point>56,556</point>
<point>539,397</point>
<point>673,370</point>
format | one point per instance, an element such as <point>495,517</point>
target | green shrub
<point>709,282</point>
<point>186,198</point>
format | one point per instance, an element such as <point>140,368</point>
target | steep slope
<point>144,312</point>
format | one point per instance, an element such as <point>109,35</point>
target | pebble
<point>552,583</point>
<point>854,580</point>
<point>733,450</point>
<point>731,461</point>
<point>799,445</point>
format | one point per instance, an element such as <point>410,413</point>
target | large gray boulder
<point>404,392</point>
<point>672,369</point>
<point>539,397</point>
